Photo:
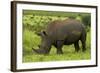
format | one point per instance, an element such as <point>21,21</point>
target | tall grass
<point>30,40</point>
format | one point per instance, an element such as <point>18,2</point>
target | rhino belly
<point>72,37</point>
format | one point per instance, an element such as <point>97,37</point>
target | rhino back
<point>60,30</point>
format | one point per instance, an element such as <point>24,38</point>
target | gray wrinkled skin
<point>62,32</point>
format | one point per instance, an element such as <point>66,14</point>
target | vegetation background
<point>36,21</point>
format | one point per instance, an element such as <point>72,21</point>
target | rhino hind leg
<point>76,44</point>
<point>59,45</point>
<point>83,40</point>
<point>83,45</point>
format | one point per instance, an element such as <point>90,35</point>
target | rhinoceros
<point>62,32</point>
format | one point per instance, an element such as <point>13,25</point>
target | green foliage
<point>38,20</point>
<point>38,23</point>
<point>86,19</point>
<point>30,39</point>
<point>35,21</point>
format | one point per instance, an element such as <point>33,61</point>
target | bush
<point>86,19</point>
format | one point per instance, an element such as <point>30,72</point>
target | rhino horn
<point>39,51</point>
<point>35,50</point>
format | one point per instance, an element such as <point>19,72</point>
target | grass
<point>35,21</point>
<point>30,39</point>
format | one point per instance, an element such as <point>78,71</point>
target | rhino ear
<point>43,33</point>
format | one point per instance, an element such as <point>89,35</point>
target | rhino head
<point>45,45</point>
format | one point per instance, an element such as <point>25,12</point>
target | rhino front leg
<point>59,47</point>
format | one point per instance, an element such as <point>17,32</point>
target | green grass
<point>30,39</point>
<point>35,21</point>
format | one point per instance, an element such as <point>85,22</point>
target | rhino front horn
<point>34,50</point>
<point>39,51</point>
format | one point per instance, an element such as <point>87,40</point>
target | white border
<point>21,65</point>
